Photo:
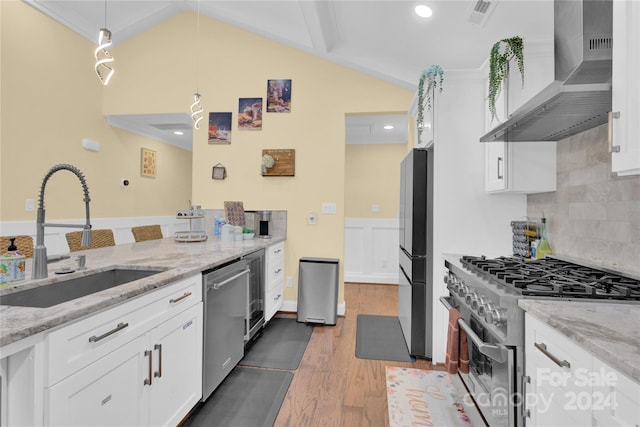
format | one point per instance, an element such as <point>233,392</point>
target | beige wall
<point>51,99</point>
<point>372,177</point>
<point>156,74</point>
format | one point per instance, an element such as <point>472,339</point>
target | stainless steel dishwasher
<point>225,300</point>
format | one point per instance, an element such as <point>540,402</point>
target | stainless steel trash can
<point>318,290</point>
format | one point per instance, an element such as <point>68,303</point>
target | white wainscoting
<point>371,250</point>
<point>56,243</point>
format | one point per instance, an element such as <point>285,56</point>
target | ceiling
<point>382,38</point>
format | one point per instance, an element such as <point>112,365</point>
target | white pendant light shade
<point>196,111</point>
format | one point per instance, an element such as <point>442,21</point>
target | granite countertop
<point>610,331</point>
<point>177,260</point>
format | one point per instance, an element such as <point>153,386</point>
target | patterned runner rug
<point>416,397</point>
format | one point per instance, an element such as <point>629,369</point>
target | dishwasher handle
<point>218,285</point>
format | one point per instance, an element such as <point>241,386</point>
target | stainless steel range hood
<point>580,97</point>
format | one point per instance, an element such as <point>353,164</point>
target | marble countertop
<point>610,331</point>
<point>178,260</point>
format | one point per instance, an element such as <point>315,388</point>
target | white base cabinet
<point>520,167</point>
<point>565,385</point>
<point>274,280</point>
<point>139,363</point>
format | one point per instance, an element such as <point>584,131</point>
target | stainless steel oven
<point>486,293</point>
<point>493,369</point>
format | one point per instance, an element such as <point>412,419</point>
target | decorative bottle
<point>543,247</point>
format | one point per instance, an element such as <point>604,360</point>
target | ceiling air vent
<point>480,11</point>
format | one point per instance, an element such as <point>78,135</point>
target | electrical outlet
<point>28,205</point>
<point>289,282</point>
<point>375,208</point>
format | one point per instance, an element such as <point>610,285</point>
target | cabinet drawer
<point>275,273</point>
<point>616,397</point>
<point>78,344</point>
<point>542,343</point>
<point>275,252</point>
<point>274,300</point>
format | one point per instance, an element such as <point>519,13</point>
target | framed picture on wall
<point>148,161</point>
<point>219,128</point>
<point>278,96</point>
<point>250,114</point>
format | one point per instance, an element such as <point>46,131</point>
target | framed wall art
<point>250,114</point>
<point>278,96</point>
<point>219,128</point>
<point>148,163</point>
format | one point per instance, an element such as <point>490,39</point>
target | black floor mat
<point>281,345</point>
<point>248,397</point>
<point>381,338</point>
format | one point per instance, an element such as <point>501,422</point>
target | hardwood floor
<point>332,387</point>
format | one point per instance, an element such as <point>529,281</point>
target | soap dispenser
<point>12,264</point>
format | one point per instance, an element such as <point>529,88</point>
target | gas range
<point>552,277</point>
<point>486,292</point>
<point>490,288</point>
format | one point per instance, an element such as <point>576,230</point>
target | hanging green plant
<point>499,67</point>
<point>434,76</point>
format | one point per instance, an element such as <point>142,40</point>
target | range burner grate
<point>552,277</point>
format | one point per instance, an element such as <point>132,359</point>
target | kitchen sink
<point>67,290</point>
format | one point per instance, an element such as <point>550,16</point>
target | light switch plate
<point>329,208</point>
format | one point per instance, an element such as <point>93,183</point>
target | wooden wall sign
<point>285,162</point>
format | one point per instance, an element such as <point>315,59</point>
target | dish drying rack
<point>193,213</point>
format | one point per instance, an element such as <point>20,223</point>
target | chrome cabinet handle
<point>150,379</point>
<point>120,327</point>
<point>158,373</point>
<point>277,251</point>
<point>543,348</point>
<point>217,286</point>
<point>612,115</point>
<point>499,162</point>
<point>277,297</point>
<point>185,295</point>
<point>277,271</point>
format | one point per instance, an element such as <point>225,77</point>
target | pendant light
<point>103,67</point>
<point>196,107</point>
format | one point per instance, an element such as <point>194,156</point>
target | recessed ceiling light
<point>177,132</point>
<point>388,127</point>
<point>423,11</point>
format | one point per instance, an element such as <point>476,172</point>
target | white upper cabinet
<point>520,167</point>
<point>624,125</point>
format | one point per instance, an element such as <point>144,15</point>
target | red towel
<point>457,349</point>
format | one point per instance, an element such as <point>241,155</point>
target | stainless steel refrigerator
<point>415,290</point>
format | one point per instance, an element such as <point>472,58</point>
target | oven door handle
<point>498,352</point>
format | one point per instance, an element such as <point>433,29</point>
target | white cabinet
<point>139,363</point>
<point>274,280</point>
<point>109,392</point>
<point>520,167</point>
<point>565,385</point>
<point>625,129</point>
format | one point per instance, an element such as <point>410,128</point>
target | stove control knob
<point>478,302</point>
<point>485,308</point>
<point>471,297</point>
<point>462,289</point>
<point>495,316</point>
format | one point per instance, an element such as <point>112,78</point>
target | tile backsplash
<point>593,215</point>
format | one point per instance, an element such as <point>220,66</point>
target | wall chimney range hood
<point>580,96</point>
